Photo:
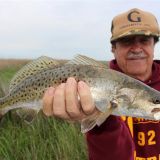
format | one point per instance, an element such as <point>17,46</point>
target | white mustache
<point>136,55</point>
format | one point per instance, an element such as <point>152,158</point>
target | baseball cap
<point>134,22</point>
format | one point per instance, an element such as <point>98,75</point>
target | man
<point>134,35</point>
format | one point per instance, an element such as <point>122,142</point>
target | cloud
<point>61,28</point>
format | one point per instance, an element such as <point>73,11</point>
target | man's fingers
<point>72,105</point>
<point>63,101</point>
<point>59,102</point>
<point>48,101</point>
<point>87,102</point>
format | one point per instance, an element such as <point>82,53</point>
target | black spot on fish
<point>74,75</point>
<point>39,84</point>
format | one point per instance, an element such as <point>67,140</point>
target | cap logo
<point>131,19</point>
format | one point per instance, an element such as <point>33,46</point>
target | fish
<point>28,111</point>
<point>113,92</point>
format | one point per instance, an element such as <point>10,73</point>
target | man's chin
<point>136,71</point>
<point>136,64</point>
<point>136,68</point>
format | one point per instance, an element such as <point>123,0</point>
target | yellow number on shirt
<point>141,138</point>
<point>151,135</point>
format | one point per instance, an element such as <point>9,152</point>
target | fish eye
<point>156,101</point>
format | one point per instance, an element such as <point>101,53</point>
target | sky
<point>63,28</point>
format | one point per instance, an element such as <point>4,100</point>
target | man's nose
<point>137,46</point>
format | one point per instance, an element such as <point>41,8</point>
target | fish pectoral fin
<point>100,120</point>
<point>98,117</point>
<point>84,60</point>
<point>27,114</point>
<point>102,105</point>
<point>89,122</point>
<point>87,125</point>
<point>105,115</point>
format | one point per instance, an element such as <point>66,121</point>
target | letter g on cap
<point>131,19</point>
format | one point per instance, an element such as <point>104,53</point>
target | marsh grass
<point>44,139</point>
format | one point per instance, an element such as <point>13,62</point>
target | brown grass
<point>20,62</point>
<point>12,62</point>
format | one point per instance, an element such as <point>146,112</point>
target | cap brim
<point>134,32</point>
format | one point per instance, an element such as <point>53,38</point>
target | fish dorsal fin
<point>84,60</point>
<point>32,68</point>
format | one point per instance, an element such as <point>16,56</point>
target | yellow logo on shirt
<point>142,120</point>
<point>149,158</point>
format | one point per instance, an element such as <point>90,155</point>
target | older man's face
<point>134,55</point>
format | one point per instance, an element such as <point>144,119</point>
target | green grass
<point>7,73</point>
<point>44,139</point>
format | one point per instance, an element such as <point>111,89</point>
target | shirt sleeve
<point>112,140</point>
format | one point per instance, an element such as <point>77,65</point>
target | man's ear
<point>113,48</point>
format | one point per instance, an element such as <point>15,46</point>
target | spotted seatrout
<point>113,92</point>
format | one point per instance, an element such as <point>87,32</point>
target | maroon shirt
<point>113,140</point>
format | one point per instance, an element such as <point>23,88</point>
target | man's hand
<point>63,101</point>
